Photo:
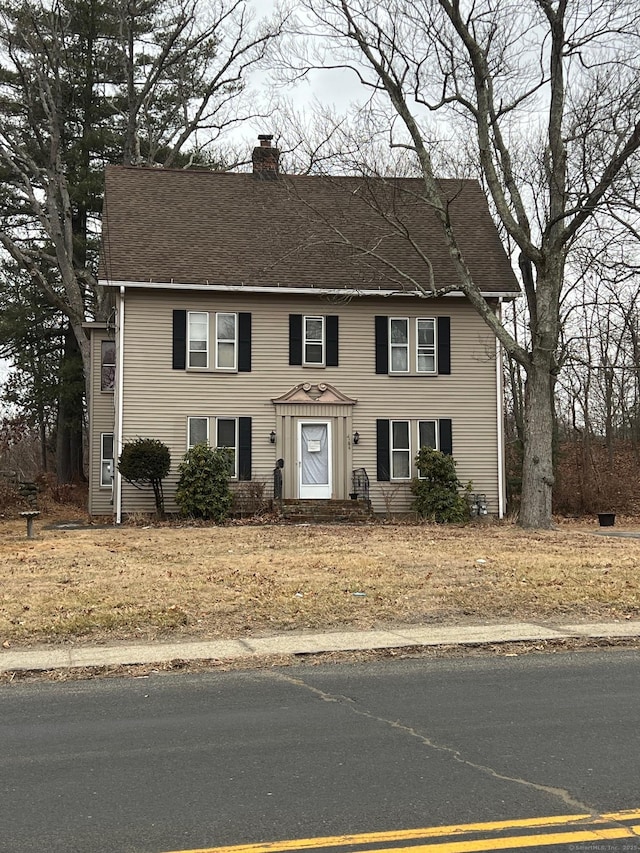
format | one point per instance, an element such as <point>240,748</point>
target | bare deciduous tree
<point>548,91</point>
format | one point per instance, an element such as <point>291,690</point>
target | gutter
<point>117,438</point>
<point>298,291</point>
<point>500,423</point>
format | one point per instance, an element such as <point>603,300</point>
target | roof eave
<point>287,290</point>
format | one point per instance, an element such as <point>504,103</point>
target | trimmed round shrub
<point>146,462</point>
<point>203,488</point>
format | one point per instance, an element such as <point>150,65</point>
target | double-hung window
<point>418,346</point>
<point>198,345</point>
<point>313,340</point>
<point>399,344</point>
<point>227,436</point>
<point>209,340</point>
<point>428,434</point>
<point>106,458</point>
<point>225,431</point>
<point>226,341</point>
<point>198,431</point>
<point>400,450</point>
<point>396,438</point>
<point>426,345</point>
<point>107,365</point>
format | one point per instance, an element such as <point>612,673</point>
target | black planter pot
<point>606,519</point>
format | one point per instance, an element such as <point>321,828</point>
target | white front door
<point>314,459</point>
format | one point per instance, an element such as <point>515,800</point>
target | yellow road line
<point>456,829</point>
<point>517,842</point>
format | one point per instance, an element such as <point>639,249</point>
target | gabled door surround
<point>314,426</point>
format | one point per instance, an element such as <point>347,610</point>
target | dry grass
<point>152,582</point>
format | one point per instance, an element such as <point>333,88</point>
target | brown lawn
<point>180,581</point>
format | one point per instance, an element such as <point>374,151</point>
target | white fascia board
<point>284,291</point>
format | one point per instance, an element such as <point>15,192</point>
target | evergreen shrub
<point>203,488</point>
<point>144,462</point>
<point>437,496</point>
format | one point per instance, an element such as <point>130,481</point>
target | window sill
<point>217,370</point>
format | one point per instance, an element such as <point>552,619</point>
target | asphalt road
<point>180,762</point>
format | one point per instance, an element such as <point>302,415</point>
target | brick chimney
<point>265,158</point>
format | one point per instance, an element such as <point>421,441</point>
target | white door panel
<point>314,459</point>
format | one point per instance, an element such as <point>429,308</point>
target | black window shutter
<point>179,340</point>
<point>382,346</point>
<point>446,443</point>
<point>444,345</point>
<point>331,331</point>
<point>382,450</point>
<point>295,338</point>
<point>244,448</point>
<point>244,343</point>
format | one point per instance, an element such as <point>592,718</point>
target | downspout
<point>500,423</point>
<point>117,438</point>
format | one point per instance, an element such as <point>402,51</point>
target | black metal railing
<point>359,484</point>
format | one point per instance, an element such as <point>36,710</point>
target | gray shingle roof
<point>199,227</point>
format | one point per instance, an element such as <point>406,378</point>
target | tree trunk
<point>69,448</point>
<point>537,466</point>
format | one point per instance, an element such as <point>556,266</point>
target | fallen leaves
<point>169,581</point>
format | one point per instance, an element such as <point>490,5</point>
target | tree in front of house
<point>84,83</point>
<point>546,95</point>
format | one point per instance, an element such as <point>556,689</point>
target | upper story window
<point>198,346</point>
<point>226,341</point>
<point>314,340</point>
<point>107,365</point>
<point>399,344</point>
<point>195,333</point>
<point>416,347</point>
<point>426,345</point>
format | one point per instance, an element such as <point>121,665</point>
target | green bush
<point>436,492</point>
<point>146,462</point>
<point>203,487</point>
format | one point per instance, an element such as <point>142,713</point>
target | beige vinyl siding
<point>158,399</point>
<point>102,421</point>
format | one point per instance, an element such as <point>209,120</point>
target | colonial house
<point>312,324</point>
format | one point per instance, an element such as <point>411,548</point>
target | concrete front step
<point>325,510</point>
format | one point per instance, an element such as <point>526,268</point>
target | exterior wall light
<point>356,438</point>
<point>272,437</point>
